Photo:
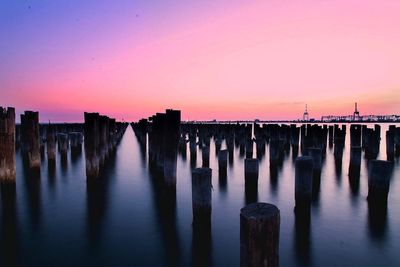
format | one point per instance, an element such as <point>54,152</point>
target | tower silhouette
<point>356,114</point>
<point>306,116</point>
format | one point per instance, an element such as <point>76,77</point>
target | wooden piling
<point>222,160</point>
<point>390,134</point>
<point>91,128</point>
<point>7,145</point>
<point>259,235</point>
<point>205,153</point>
<point>303,182</point>
<point>51,142</point>
<point>379,172</point>
<point>201,194</point>
<point>30,138</point>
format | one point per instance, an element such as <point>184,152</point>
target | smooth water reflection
<point>127,216</point>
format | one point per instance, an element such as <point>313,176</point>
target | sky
<point>227,60</point>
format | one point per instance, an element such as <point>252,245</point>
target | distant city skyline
<point>225,60</point>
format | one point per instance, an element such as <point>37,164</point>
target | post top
<point>259,211</point>
<point>304,159</point>
<point>200,171</point>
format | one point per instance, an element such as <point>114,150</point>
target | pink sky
<point>231,60</point>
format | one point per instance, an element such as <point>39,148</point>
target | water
<point>56,219</point>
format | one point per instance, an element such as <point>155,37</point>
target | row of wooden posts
<point>101,135</point>
<point>166,136</point>
<point>260,222</point>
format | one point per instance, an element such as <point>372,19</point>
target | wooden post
<point>62,140</point>
<point>205,153</point>
<point>355,161</point>
<point>390,134</point>
<point>222,160</point>
<point>303,182</point>
<point>379,173</point>
<point>92,144</point>
<point>51,143</point>
<point>30,138</point>
<point>355,135</point>
<point>201,195</point>
<point>249,148</point>
<point>7,145</point>
<point>259,235</point>
<point>251,167</point>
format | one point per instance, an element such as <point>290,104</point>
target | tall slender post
<point>7,145</point>
<point>30,138</point>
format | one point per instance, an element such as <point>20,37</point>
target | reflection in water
<point>251,189</point>
<point>302,237</point>
<point>64,163</point>
<point>338,170</point>
<point>295,152</point>
<point>32,189</point>
<point>165,207</point>
<point>273,173</point>
<point>377,222</point>
<point>202,244</point>
<point>193,158</point>
<point>168,235</point>
<point>9,226</point>
<point>222,181</point>
<point>316,187</point>
<point>354,179</point>
<point>76,154</point>
<point>51,172</point>
<point>97,201</point>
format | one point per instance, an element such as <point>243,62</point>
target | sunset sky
<point>211,59</point>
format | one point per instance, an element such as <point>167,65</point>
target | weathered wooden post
<point>355,161</point>
<point>390,134</point>
<point>251,167</point>
<point>294,135</point>
<point>51,143</point>
<point>62,140</point>
<point>91,128</point>
<point>192,148</point>
<point>75,139</point>
<point>30,138</point>
<point>259,235</point>
<point>355,135</point>
<point>201,195</point>
<point>171,139</point>
<point>103,138</point>
<point>222,160</point>
<point>7,145</point>
<point>205,153</point>
<point>249,148</point>
<point>303,182</point>
<point>274,152</point>
<point>379,172</point>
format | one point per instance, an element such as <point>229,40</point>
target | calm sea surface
<point>57,219</point>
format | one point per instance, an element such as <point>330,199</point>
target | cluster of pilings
<point>371,140</point>
<point>163,138</point>
<point>38,140</point>
<point>102,135</point>
<point>61,137</point>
